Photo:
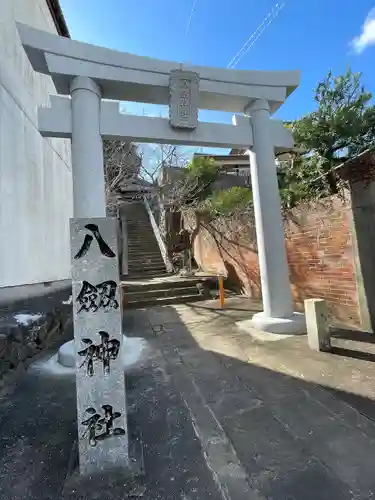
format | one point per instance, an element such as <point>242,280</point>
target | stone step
<point>140,230</point>
<point>146,269</point>
<point>147,253</point>
<point>141,257</point>
<point>145,274</point>
<point>140,238</point>
<point>167,281</point>
<point>152,293</point>
<point>138,223</point>
<point>137,276</point>
<point>141,249</point>
<point>141,234</point>
<point>163,301</point>
<point>138,218</point>
<point>142,264</point>
<point>145,257</point>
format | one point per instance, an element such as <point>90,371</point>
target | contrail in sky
<point>190,17</point>
<point>255,35</point>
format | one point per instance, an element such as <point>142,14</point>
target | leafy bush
<point>228,201</point>
<point>202,170</point>
<point>196,183</point>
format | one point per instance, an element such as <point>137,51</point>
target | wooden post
<point>221,291</point>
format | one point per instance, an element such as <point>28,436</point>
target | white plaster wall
<point>35,173</point>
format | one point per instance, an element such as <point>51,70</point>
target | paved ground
<point>220,416</point>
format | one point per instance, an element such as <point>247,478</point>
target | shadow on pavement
<point>210,422</point>
<point>296,439</point>
<point>351,353</point>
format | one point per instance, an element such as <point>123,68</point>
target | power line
<point>250,38</point>
<point>271,16</point>
<point>190,17</point>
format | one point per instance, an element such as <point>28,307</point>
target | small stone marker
<point>183,99</point>
<point>318,332</point>
<point>101,404</point>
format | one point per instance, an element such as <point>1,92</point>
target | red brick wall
<point>320,255</point>
<point>321,259</point>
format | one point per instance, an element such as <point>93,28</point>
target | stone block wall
<point>31,322</point>
<point>19,342</point>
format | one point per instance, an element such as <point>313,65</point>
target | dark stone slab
<point>174,463</point>
<point>221,457</point>
<point>344,449</point>
<point>277,463</point>
<point>37,431</point>
<point>38,456</point>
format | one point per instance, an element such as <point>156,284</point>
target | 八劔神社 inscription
<point>105,351</point>
<point>100,427</point>
<point>101,398</point>
<point>91,298</point>
<point>104,248</point>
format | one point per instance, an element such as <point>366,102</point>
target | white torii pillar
<point>87,149</point>
<point>277,315</point>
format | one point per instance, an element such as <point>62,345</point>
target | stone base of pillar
<point>292,325</point>
<point>135,352</point>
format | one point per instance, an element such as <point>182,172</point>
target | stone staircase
<point>148,283</point>
<point>144,255</point>
<point>169,290</point>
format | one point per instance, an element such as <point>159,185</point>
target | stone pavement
<point>219,415</point>
<point>280,407</point>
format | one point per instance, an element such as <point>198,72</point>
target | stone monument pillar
<point>101,403</point>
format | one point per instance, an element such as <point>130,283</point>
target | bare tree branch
<point>166,156</point>
<point>122,161</point>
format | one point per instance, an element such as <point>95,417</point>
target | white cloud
<point>367,36</point>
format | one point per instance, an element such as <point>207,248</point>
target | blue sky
<point>310,35</point>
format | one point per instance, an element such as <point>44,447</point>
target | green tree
<point>195,183</point>
<point>342,126</point>
<point>229,201</point>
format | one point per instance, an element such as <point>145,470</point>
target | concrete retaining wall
<point>35,173</point>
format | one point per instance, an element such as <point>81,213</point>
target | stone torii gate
<point>91,81</point>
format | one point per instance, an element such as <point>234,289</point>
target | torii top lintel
<point>128,77</point>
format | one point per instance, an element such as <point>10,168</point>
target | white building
<point>35,173</point>
<point>237,162</point>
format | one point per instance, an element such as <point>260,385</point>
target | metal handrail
<point>159,239</point>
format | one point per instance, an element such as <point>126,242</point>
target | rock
<point>21,352</point>
<point>17,334</point>
<point>42,334</point>
<point>4,366</point>
<point>3,345</point>
<point>31,348</point>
